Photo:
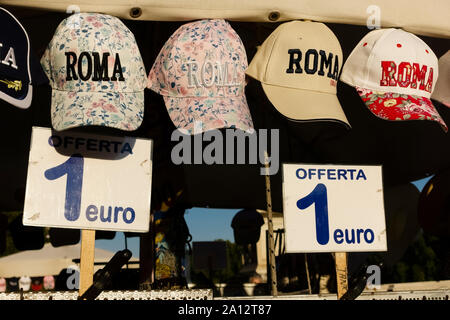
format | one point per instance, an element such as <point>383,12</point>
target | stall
<point>131,112</point>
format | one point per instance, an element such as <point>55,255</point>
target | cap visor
<point>122,111</point>
<point>201,114</point>
<point>305,105</point>
<point>397,107</point>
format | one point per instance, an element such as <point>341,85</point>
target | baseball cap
<point>96,73</point>
<point>19,68</point>
<point>36,284</point>
<point>12,284</point>
<point>298,66</point>
<point>441,92</point>
<point>394,73</point>
<point>49,283</point>
<point>2,285</point>
<point>200,72</point>
<point>25,283</point>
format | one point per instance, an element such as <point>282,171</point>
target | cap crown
<point>15,72</point>
<point>201,59</point>
<point>300,55</point>
<point>392,60</point>
<point>93,52</point>
<point>442,89</point>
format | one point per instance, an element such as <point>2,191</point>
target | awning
<point>430,18</point>
<point>48,261</point>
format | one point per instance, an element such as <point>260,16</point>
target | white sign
<point>86,181</point>
<point>333,208</point>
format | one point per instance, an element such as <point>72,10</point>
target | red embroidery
<point>407,75</point>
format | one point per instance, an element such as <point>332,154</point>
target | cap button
<point>135,12</point>
<point>274,16</point>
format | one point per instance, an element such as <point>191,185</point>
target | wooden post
<point>307,274</point>
<point>341,273</point>
<point>273,272</point>
<point>87,260</point>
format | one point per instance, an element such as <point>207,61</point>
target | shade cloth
<point>48,261</point>
<point>425,18</point>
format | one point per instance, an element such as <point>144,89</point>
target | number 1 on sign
<point>319,197</point>
<point>73,167</point>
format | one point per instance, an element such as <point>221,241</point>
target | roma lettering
<point>212,73</point>
<point>314,62</point>
<point>89,66</point>
<point>406,75</point>
<point>10,57</point>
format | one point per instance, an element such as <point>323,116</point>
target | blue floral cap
<point>96,73</point>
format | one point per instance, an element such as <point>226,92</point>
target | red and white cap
<point>442,91</point>
<point>394,73</point>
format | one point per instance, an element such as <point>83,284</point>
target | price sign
<point>333,208</point>
<point>88,182</point>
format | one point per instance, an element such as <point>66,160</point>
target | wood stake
<point>273,272</point>
<point>307,274</point>
<point>341,273</point>
<point>87,260</point>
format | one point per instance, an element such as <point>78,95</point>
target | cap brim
<point>201,114</point>
<point>305,105</point>
<point>123,111</point>
<point>398,107</point>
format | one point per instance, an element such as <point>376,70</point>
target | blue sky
<point>204,224</point>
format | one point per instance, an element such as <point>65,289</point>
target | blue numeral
<point>319,197</point>
<point>73,167</point>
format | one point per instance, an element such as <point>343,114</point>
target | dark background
<point>407,150</point>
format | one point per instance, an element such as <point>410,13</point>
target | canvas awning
<point>48,261</point>
<point>430,18</point>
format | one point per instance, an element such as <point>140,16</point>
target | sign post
<point>341,273</point>
<point>336,209</point>
<point>86,260</point>
<point>273,272</point>
<point>88,182</point>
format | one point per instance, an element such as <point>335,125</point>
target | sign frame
<point>329,248</point>
<point>94,162</point>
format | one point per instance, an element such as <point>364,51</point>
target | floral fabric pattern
<point>200,71</point>
<point>397,107</point>
<point>77,102</point>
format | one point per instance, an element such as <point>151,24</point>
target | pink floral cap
<point>200,72</point>
<point>96,73</point>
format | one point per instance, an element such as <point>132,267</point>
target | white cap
<point>25,283</point>
<point>298,66</point>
